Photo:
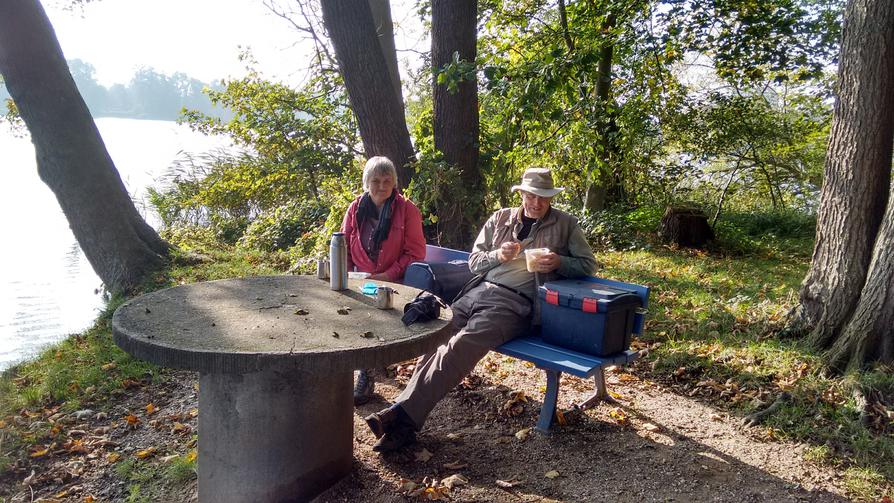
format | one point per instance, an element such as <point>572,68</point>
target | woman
<point>384,236</point>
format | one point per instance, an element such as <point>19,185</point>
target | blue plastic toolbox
<point>587,317</point>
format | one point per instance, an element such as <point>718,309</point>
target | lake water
<point>47,287</point>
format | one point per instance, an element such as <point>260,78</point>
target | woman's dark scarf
<point>367,209</point>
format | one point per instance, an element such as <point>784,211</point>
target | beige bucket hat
<point>538,181</point>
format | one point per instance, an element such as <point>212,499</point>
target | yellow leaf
<point>89,499</point>
<point>40,453</point>
<point>145,453</point>
<point>113,457</point>
<point>523,433</point>
<point>151,409</point>
<point>551,474</point>
<point>132,420</point>
<point>192,456</point>
<point>2,423</point>
<point>109,366</point>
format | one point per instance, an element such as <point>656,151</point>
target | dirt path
<point>655,446</point>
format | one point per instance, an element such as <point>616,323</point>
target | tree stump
<point>687,227</point>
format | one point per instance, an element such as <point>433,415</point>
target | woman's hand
<point>508,251</point>
<point>548,263</point>
<point>381,276</point>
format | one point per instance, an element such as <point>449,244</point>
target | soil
<point>654,445</point>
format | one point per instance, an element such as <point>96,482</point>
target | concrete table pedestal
<point>275,356</point>
<point>273,435</point>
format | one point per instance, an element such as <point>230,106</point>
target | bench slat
<point>551,357</point>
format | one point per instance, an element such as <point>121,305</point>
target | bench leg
<point>601,394</point>
<point>548,410</point>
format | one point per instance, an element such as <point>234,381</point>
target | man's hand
<point>548,263</point>
<point>508,251</point>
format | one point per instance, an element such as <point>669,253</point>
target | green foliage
<point>285,225</point>
<point>183,468</point>
<point>298,152</point>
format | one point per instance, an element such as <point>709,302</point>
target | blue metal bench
<point>555,360</point>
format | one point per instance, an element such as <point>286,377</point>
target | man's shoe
<point>381,422</point>
<point>363,388</point>
<point>396,438</point>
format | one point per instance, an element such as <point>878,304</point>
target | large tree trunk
<point>71,157</point>
<point>453,30</point>
<point>857,173</point>
<point>364,68</point>
<point>869,335</point>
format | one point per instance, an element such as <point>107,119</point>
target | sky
<point>198,37</point>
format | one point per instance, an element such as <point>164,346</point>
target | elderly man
<point>501,304</point>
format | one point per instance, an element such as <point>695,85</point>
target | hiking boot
<point>396,438</point>
<point>381,422</point>
<point>363,388</point>
<point>386,420</point>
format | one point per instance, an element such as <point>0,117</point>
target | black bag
<point>423,308</point>
<point>444,279</point>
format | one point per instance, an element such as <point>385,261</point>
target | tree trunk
<point>598,191</point>
<point>857,173</point>
<point>71,156</point>
<point>869,335</point>
<point>364,68</point>
<point>453,30</point>
<point>381,13</point>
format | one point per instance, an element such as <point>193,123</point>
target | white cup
<point>531,256</point>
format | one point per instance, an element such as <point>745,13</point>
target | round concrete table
<point>275,357</point>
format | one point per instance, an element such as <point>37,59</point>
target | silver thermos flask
<point>338,262</point>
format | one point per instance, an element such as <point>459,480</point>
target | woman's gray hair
<point>378,165</point>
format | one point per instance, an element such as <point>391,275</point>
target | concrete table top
<point>248,324</point>
<point>275,357</point>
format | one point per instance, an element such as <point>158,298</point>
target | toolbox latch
<point>590,305</point>
<point>552,297</point>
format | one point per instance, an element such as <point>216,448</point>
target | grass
<point>712,332</point>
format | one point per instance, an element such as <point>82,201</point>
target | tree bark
<point>364,68</point>
<point>869,335</point>
<point>453,30</point>
<point>598,191</point>
<point>71,156</point>
<point>381,12</point>
<point>857,173</point>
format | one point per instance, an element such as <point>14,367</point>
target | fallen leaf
<point>301,312</point>
<point>551,474</point>
<point>109,366</point>
<point>113,457</point>
<point>509,484</point>
<point>192,456</point>
<point>145,453</point>
<point>651,427</point>
<point>344,310</point>
<point>455,480</point>
<point>523,433</point>
<point>40,453</point>
<point>366,335</point>
<point>179,427</point>
<point>454,436</point>
<point>168,459</point>
<point>560,418</point>
<point>132,420</point>
<point>456,465</point>
<point>423,456</point>
<point>151,409</point>
<point>619,416</point>
<point>89,499</point>
<point>716,417</point>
